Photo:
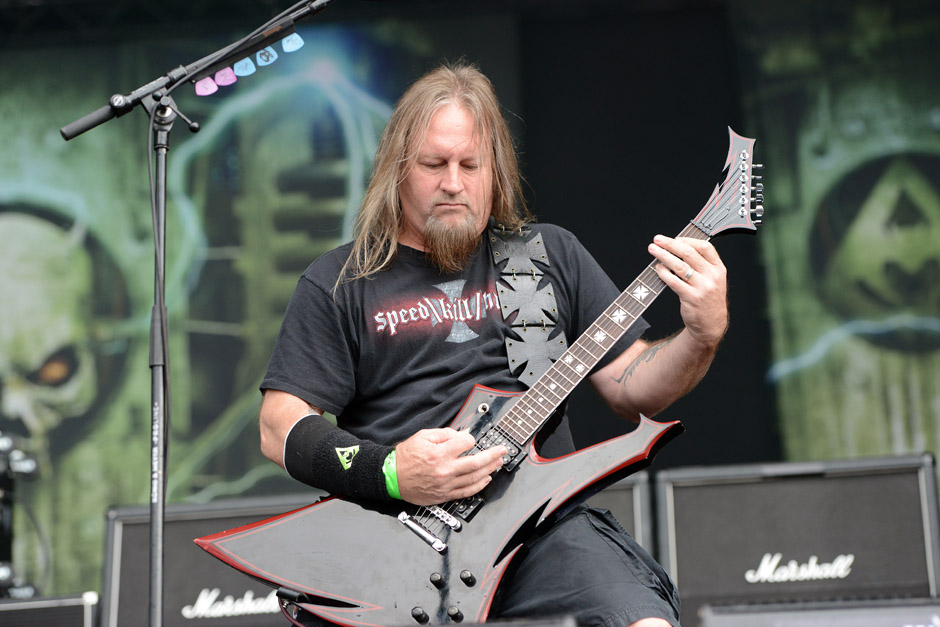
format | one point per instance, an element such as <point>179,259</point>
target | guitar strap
<point>532,344</point>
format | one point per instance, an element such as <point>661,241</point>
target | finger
<point>705,248</point>
<point>459,442</point>
<point>490,458</point>
<point>471,474</point>
<point>471,468</point>
<point>671,278</point>
<point>666,255</point>
<point>683,248</point>
<point>448,437</point>
<point>470,490</point>
<point>437,436</point>
<point>670,264</point>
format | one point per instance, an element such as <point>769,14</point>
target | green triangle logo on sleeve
<point>346,455</point>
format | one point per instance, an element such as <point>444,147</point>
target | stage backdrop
<point>621,116</point>
<point>270,182</point>
<point>847,100</point>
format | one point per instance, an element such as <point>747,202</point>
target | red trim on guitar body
<point>368,564</point>
<point>329,550</point>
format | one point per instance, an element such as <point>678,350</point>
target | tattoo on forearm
<point>645,356</point>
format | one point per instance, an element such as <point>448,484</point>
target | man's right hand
<point>431,470</point>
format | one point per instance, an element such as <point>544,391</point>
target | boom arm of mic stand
<point>119,104</point>
<point>163,112</point>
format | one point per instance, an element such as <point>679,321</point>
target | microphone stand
<point>155,98</point>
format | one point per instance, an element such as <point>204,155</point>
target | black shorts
<point>587,566</point>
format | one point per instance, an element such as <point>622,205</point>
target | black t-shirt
<point>400,351</point>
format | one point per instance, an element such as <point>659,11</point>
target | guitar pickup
<point>466,508</point>
<point>512,458</point>
<point>496,436</point>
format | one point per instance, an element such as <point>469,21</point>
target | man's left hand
<point>694,271</point>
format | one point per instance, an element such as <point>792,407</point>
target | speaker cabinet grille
<point>881,613</point>
<point>799,531</point>
<point>198,589</point>
<point>59,611</point>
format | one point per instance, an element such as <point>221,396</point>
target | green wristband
<point>390,470</point>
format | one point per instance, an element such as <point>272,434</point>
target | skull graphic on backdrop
<point>47,363</point>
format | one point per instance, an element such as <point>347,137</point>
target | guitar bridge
<point>445,517</point>
<point>422,532</point>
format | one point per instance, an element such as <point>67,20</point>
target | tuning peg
<point>759,198</point>
<point>757,213</point>
<point>757,177</point>
<point>757,188</point>
<point>757,166</point>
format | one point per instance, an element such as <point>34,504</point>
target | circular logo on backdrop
<point>875,248</point>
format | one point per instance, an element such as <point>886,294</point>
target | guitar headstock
<point>737,202</point>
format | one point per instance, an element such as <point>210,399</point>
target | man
<point>369,338</point>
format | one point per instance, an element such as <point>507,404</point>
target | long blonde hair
<point>379,223</point>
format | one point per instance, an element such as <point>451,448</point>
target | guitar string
<point>533,401</point>
<point>582,351</point>
<point>603,332</point>
<point>519,415</point>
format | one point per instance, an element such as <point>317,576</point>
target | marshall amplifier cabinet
<point>198,589</point>
<point>799,531</point>
<point>629,500</point>
<point>878,613</point>
<point>59,611</point>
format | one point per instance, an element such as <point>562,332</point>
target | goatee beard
<point>450,246</point>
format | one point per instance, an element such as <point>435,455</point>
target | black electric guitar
<point>359,563</point>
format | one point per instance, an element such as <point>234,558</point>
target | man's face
<point>450,182</point>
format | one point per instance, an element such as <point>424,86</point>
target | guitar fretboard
<point>533,408</point>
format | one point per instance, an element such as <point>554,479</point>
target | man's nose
<point>452,183</point>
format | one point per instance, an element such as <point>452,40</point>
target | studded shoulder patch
<point>532,346</point>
